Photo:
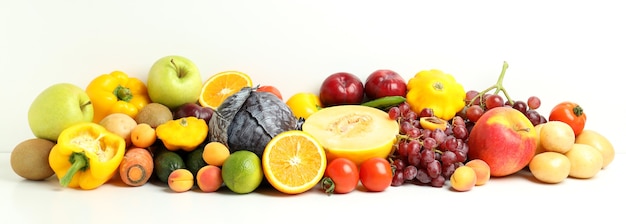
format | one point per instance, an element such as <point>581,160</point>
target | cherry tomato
<point>376,174</point>
<point>342,176</point>
<point>304,104</point>
<point>270,89</point>
<point>570,113</point>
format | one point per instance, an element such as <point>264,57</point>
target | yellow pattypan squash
<point>435,90</point>
<point>185,133</point>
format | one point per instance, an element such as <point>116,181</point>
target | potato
<point>585,160</point>
<point>550,167</point>
<point>598,141</point>
<point>119,124</point>
<point>556,136</point>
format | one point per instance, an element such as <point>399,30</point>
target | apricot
<point>481,168</point>
<point>180,180</point>
<point>209,178</point>
<point>463,178</point>
<point>143,135</point>
<point>215,153</point>
<point>586,161</point>
<point>550,167</point>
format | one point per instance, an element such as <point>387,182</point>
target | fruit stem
<point>123,93</point>
<point>178,69</point>
<point>328,185</point>
<point>578,111</point>
<point>79,162</point>
<point>498,87</point>
<point>84,105</point>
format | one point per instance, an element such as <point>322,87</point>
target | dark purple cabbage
<point>248,120</point>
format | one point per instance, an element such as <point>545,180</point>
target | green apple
<point>58,107</point>
<point>173,81</point>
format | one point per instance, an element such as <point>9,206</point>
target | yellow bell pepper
<point>184,133</point>
<point>435,90</point>
<point>304,104</point>
<point>86,155</point>
<point>117,93</point>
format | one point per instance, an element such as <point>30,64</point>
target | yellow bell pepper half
<point>435,90</point>
<point>86,155</point>
<point>117,93</point>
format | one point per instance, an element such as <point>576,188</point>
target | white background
<point>557,50</point>
<point>574,51</point>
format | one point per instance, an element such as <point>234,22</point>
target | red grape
<point>533,116</point>
<point>398,178</point>
<point>394,113</point>
<point>410,172</point>
<point>520,106</point>
<point>428,157</point>
<point>426,112</point>
<point>433,169</point>
<point>438,181</point>
<point>474,112</point>
<point>533,102</point>
<point>493,101</point>
<point>422,176</point>
<point>469,95</point>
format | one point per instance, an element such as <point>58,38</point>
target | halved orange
<point>294,162</point>
<point>220,86</point>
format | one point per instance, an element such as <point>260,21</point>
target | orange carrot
<point>136,167</point>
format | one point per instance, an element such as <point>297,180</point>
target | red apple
<point>505,139</point>
<point>341,88</point>
<point>384,82</point>
<point>195,110</point>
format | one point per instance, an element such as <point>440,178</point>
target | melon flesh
<point>353,131</point>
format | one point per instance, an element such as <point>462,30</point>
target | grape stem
<point>498,87</point>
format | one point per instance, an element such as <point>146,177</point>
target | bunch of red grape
<point>478,104</point>
<point>426,156</point>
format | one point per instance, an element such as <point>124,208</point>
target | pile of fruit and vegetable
<point>228,132</point>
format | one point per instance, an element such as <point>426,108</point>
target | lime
<point>242,172</point>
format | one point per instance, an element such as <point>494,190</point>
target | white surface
<point>514,199</point>
<point>557,51</point>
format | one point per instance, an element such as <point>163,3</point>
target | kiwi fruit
<point>29,159</point>
<point>154,114</point>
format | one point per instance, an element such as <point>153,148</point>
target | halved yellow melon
<point>354,132</point>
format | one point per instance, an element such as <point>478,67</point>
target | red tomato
<point>376,174</point>
<point>570,113</point>
<point>342,176</point>
<point>270,89</point>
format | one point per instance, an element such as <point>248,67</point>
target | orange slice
<point>220,86</point>
<point>293,162</point>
